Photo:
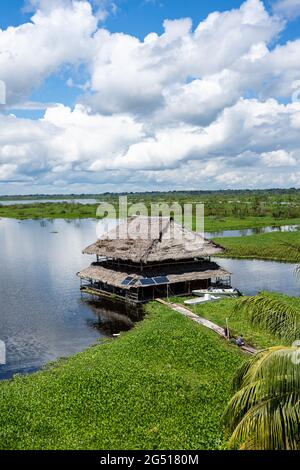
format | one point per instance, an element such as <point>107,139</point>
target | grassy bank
<point>271,246</point>
<point>63,210</point>
<point>213,224</point>
<point>163,385</point>
<point>52,210</point>
<point>238,323</point>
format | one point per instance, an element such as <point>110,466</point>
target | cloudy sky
<point>149,94</point>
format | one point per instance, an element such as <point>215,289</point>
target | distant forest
<point>183,193</point>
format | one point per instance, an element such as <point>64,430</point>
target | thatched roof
<point>175,273</point>
<point>152,239</point>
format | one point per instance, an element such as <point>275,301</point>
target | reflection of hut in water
<point>109,319</point>
<point>107,312</point>
<point>148,257</point>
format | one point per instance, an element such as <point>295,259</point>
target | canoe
<point>225,292</point>
<point>201,300</point>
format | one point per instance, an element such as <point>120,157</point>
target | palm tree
<point>264,413</point>
<point>273,315</point>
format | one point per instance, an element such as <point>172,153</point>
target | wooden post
<point>227,329</point>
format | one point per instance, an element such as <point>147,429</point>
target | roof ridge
<point>151,242</point>
<point>155,241</point>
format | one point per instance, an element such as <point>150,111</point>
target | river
<point>252,231</point>
<point>42,315</point>
<point>11,202</point>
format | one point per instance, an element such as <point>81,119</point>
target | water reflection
<point>42,316</point>
<point>252,276</point>
<point>113,317</point>
<point>252,231</point>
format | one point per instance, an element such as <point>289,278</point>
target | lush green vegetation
<point>223,209</point>
<point>277,314</point>
<point>64,210</point>
<point>50,210</point>
<point>214,224</point>
<point>239,322</point>
<point>264,413</point>
<point>163,385</point>
<point>277,246</point>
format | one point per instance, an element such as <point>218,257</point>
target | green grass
<point>53,210</point>
<point>215,224</point>
<point>271,246</point>
<point>163,385</point>
<point>64,210</point>
<point>238,322</point>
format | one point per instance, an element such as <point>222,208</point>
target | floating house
<point>148,257</point>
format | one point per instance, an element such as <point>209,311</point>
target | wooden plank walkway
<point>203,321</point>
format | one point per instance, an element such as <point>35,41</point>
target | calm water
<point>42,315</point>
<point>252,231</point>
<point>7,202</point>
<point>252,276</point>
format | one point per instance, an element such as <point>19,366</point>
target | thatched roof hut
<point>147,257</point>
<point>175,274</point>
<point>150,240</point>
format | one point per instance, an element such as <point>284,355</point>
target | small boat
<point>217,291</point>
<point>201,300</point>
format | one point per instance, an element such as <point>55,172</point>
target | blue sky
<point>134,17</point>
<point>190,94</point>
<point>137,17</point>
<point>140,17</point>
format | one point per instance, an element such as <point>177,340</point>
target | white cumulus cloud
<point>288,8</point>
<point>206,105</point>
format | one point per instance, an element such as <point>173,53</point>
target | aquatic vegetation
<point>279,246</point>
<point>231,313</point>
<point>163,385</point>
<point>224,210</point>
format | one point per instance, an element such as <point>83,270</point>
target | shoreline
<point>263,246</point>
<point>73,211</point>
<point>130,391</point>
<point>276,246</point>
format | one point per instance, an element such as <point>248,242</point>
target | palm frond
<point>275,316</point>
<point>270,425</point>
<point>265,412</point>
<point>274,360</point>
